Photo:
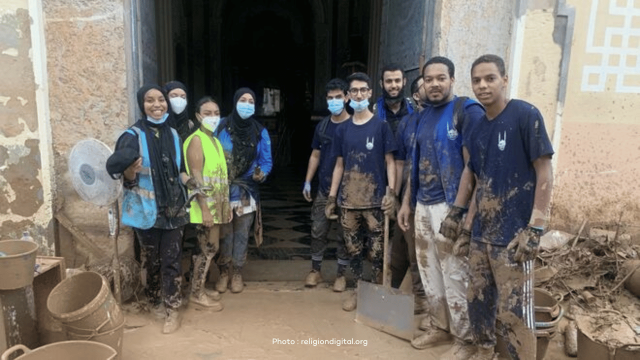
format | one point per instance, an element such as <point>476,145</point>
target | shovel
<point>382,307</point>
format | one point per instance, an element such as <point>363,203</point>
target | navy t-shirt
<point>502,153</point>
<point>438,152</point>
<point>323,142</point>
<point>363,149</point>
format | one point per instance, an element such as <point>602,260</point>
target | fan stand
<point>114,231</point>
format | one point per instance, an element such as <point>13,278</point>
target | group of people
<point>198,176</point>
<point>469,184</point>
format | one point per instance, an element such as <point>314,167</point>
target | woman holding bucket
<point>206,164</point>
<point>150,157</point>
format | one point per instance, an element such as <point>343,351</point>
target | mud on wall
<point>89,98</point>
<point>25,187</point>
<point>598,164</point>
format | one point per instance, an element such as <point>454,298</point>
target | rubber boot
<point>172,321</point>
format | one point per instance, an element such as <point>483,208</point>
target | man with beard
<point>436,167</point>
<point>392,106</point>
<point>403,250</point>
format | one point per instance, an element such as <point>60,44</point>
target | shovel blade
<point>385,309</point>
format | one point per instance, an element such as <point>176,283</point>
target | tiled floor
<point>286,220</point>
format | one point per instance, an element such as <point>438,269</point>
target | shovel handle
<point>386,265</point>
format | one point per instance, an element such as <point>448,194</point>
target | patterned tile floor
<point>286,220</point>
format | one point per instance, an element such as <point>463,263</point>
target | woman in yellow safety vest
<point>206,164</point>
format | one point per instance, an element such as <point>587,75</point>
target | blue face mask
<point>359,106</point>
<point>336,106</point>
<point>157,122</point>
<point>245,109</point>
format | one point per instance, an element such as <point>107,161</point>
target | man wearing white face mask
<point>206,164</point>
<point>365,165</point>
<point>322,160</point>
<point>179,116</point>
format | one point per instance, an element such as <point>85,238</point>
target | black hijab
<point>180,122</point>
<point>162,152</point>
<point>245,136</point>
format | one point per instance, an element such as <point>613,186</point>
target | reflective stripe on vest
<point>139,209</point>
<point>214,171</point>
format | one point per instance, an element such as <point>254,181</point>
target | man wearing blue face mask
<point>322,160</point>
<point>247,149</point>
<point>365,165</point>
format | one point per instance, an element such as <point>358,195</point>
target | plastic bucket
<point>547,306</point>
<point>17,263</point>
<point>66,350</point>
<point>85,306</point>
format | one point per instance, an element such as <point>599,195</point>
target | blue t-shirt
<point>437,163</point>
<point>502,153</point>
<point>323,142</point>
<point>363,149</point>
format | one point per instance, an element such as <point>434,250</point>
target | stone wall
<point>25,166</point>
<point>89,98</point>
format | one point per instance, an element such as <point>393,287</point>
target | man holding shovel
<point>364,146</point>
<point>436,168</point>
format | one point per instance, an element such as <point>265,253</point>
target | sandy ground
<point>266,312</point>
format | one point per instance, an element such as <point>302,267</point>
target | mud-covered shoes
<point>171,322</point>
<point>237,285</point>
<point>484,354</point>
<point>340,284</point>
<point>205,301</point>
<point>431,337</point>
<point>313,278</point>
<point>213,294</point>
<point>223,281</point>
<point>351,301</point>
<point>459,350</point>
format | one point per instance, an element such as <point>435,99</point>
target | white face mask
<point>178,104</point>
<point>211,123</point>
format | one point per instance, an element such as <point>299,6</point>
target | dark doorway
<point>291,46</point>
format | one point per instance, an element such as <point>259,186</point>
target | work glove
<point>306,191</point>
<point>390,205</point>
<point>450,225</point>
<point>258,175</point>
<point>526,244</point>
<point>330,208</point>
<point>461,246</point>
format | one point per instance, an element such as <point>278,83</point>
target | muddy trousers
<point>320,227</point>
<point>358,225</point>
<point>501,300</point>
<point>208,244</point>
<point>445,277</point>
<point>235,242</point>
<point>160,252</point>
<point>403,257</point>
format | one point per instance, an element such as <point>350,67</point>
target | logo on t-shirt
<point>502,142</point>
<point>452,134</point>
<point>370,143</point>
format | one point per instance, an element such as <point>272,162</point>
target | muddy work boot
<point>431,337</point>
<point>351,301</point>
<point>340,284</point>
<point>484,354</point>
<point>171,322</point>
<point>203,300</point>
<point>223,280</point>
<point>313,278</point>
<point>237,285</point>
<point>460,350</point>
<point>158,310</point>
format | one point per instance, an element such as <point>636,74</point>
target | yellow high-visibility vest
<point>214,174</point>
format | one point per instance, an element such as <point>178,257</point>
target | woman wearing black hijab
<point>247,149</point>
<point>179,116</point>
<point>154,201</point>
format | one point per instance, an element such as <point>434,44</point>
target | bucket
<point>85,306</point>
<point>17,263</point>
<point>65,350</point>
<point>590,349</point>
<point>547,306</point>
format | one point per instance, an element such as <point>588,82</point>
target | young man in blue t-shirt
<point>510,164</point>
<point>323,160</point>
<point>437,163</point>
<point>364,146</point>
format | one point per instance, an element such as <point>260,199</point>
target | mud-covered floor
<point>265,312</point>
